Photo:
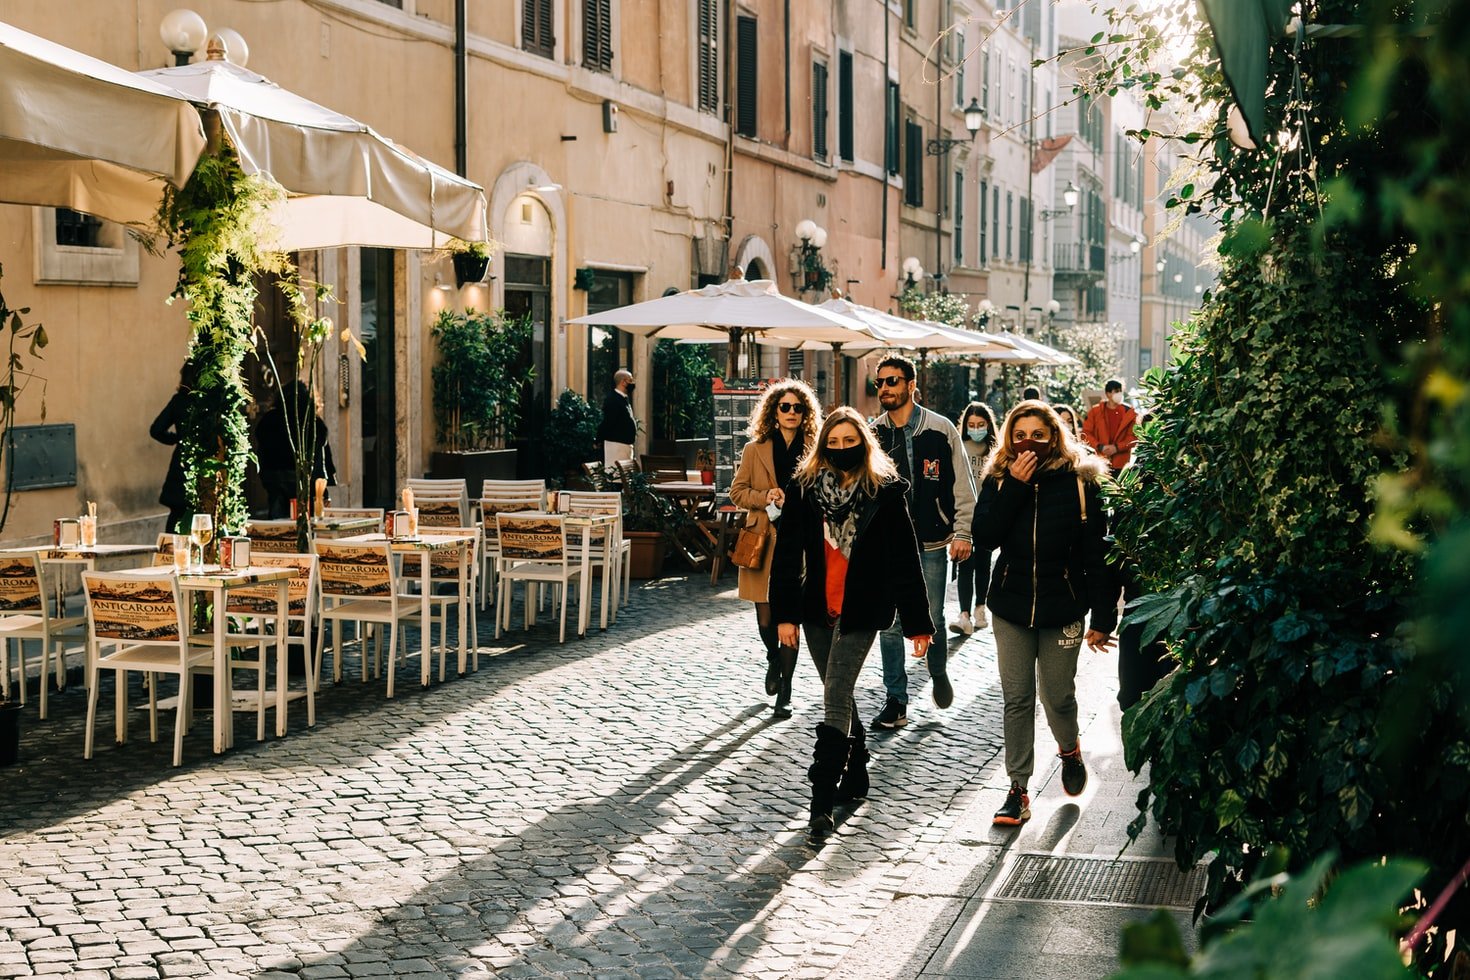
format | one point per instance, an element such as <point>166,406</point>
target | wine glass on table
<point>201,531</point>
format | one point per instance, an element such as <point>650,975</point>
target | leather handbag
<point>750,547</point>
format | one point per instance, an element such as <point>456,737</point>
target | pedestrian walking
<point>1031,393</point>
<point>783,428</point>
<point>973,573</point>
<point>276,437</point>
<point>618,429</point>
<point>846,561</point>
<point>1040,505</point>
<point>1109,427</point>
<point>929,455</point>
<point>1070,423</point>
<point>168,429</point>
<point>997,398</point>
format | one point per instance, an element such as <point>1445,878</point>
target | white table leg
<point>426,646</point>
<point>283,605</point>
<point>224,710</point>
<point>466,550</point>
<point>585,586</point>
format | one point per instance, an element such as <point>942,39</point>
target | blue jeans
<point>891,641</point>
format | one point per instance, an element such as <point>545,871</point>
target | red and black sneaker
<point>1016,810</point>
<point>1074,773</point>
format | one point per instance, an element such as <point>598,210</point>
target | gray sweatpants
<point>839,658</point>
<point>1023,656</point>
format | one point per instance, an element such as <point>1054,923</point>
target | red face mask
<point>1041,449</point>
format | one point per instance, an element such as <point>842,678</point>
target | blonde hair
<point>763,415</point>
<point>877,468</point>
<point>1066,456</point>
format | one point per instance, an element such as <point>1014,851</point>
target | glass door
<point>375,394</point>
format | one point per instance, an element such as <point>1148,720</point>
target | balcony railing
<point>1078,258</point>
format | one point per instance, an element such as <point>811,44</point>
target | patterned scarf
<point>838,505</point>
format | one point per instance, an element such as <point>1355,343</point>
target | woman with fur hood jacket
<point>1040,505</point>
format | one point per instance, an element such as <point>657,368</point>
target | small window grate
<point>1087,880</point>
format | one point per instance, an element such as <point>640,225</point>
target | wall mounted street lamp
<point>974,119</point>
<point>913,273</point>
<point>1070,196</point>
<point>808,271</point>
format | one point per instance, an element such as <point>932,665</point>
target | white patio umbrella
<point>79,133</point>
<point>925,336</point>
<point>1029,353</point>
<point>345,184</point>
<point>730,311</point>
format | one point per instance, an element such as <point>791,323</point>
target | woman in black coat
<point>275,436</point>
<point>167,429</point>
<point>1040,505</point>
<point>846,560</point>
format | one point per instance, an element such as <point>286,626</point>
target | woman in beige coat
<point>782,427</point>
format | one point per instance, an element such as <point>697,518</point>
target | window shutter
<point>745,76</point>
<point>913,177</point>
<point>597,35</point>
<point>844,105</point>
<point>819,111</point>
<point>709,55</point>
<point>959,218</point>
<point>536,35</point>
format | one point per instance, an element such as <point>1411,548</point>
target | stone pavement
<point>619,806</point>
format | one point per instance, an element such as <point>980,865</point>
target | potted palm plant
<point>477,394</point>
<point>650,522</point>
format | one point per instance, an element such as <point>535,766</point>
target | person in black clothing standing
<point>168,428</point>
<point>618,429</point>
<point>1040,504</point>
<point>846,560</point>
<point>274,447</point>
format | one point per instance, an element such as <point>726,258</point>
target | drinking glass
<point>182,551</point>
<point>202,531</point>
<point>89,531</point>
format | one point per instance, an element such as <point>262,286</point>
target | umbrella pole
<point>732,356</point>
<point>839,379</point>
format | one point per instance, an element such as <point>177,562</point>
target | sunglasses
<point>892,381</point>
<point>785,407</point>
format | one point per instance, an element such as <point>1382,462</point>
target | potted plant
<point>704,461</point>
<point>477,394</point>
<point>650,521</point>
<point>471,261</point>
<point>570,437</point>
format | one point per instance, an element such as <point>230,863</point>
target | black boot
<point>854,785</point>
<point>828,758</point>
<point>786,659</point>
<point>773,662</point>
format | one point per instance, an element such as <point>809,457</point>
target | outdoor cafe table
<point>696,499</point>
<point>586,523</point>
<point>425,545</point>
<point>217,581</point>
<point>78,555</point>
<point>282,532</point>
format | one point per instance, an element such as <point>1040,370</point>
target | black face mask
<point>630,389</point>
<point>845,460</point>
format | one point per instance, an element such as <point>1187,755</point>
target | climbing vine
<point>217,222</point>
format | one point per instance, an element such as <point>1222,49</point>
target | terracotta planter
<point>646,553</point>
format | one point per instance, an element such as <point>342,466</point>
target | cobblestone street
<point>622,805</point>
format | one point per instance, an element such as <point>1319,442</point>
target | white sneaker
<point>965,626</point>
<point>981,620</point>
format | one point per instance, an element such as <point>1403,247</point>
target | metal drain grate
<point>1083,880</point>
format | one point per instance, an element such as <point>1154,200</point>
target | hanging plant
<point>218,223</point>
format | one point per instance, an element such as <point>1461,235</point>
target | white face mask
<point>1116,398</point>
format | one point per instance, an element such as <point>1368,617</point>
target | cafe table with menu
<point>88,557</point>
<point>425,545</point>
<point>216,581</point>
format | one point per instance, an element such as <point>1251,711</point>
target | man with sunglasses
<point>929,454</point>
